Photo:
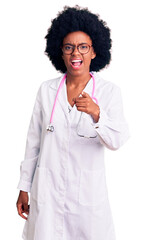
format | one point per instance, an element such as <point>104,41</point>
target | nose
<point>75,50</point>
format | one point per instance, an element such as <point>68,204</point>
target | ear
<point>93,54</point>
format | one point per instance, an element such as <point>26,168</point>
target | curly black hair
<point>73,19</point>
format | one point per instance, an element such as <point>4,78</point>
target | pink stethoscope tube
<point>93,90</point>
<point>50,127</point>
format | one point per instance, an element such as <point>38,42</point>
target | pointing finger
<point>85,95</point>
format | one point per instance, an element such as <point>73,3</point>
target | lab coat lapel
<point>62,95</point>
<point>62,99</point>
<point>88,87</point>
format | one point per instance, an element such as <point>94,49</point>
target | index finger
<point>80,99</point>
<point>84,94</point>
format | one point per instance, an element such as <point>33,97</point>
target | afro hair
<point>73,19</point>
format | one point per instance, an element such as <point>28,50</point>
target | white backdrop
<point>24,66</point>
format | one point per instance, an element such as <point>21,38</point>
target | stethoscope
<point>50,127</point>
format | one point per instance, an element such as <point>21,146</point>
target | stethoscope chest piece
<point>50,128</point>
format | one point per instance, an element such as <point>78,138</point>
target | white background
<point>24,66</point>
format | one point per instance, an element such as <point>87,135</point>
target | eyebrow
<point>74,44</point>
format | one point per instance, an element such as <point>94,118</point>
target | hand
<point>87,105</point>
<point>22,204</point>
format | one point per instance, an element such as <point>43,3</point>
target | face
<point>77,63</point>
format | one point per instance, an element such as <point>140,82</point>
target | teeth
<point>76,60</point>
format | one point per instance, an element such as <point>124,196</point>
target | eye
<point>84,46</point>
<point>68,48</point>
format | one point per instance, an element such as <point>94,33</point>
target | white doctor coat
<point>65,171</point>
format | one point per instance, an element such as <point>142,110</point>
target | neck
<point>77,81</point>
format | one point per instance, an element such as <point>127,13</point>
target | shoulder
<point>107,92</point>
<point>51,83</point>
<point>104,85</point>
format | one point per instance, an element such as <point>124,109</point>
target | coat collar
<point>55,84</point>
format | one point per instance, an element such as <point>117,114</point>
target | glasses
<point>83,48</point>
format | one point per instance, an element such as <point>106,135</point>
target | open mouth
<point>76,63</point>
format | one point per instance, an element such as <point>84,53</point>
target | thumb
<point>25,207</point>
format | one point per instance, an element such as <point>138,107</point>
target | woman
<point>74,117</point>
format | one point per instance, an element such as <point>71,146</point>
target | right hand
<point>22,204</point>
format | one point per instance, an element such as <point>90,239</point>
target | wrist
<point>23,192</point>
<point>96,115</point>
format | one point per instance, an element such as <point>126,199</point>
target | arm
<point>111,126</point>
<point>109,123</point>
<point>28,166</point>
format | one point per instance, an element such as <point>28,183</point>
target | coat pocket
<point>85,128</point>
<point>39,185</point>
<point>86,134</point>
<point>92,189</point>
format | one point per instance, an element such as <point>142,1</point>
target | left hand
<point>22,204</point>
<point>87,105</point>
